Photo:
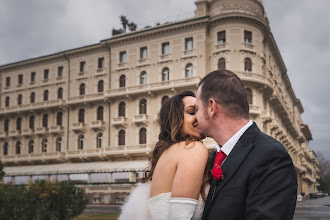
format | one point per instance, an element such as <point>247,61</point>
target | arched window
<point>46,94</point>
<point>19,99</point>
<point>143,78</point>
<point>81,115</point>
<point>165,74</point>
<point>59,118</point>
<point>33,97</point>
<point>18,147</point>
<point>82,89</point>
<point>99,115</point>
<point>31,146</point>
<point>121,138</point>
<point>7,102</point>
<point>45,121</point>
<point>164,99</point>
<point>221,64</point>
<point>60,93</point>
<point>121,109</point>
<point>44,145</point>
<point>100,86</point>
<point>31,122</point>
<point>249,95</point>
<point>143,136</point>
<point>247,65</point>
<point>122,81</point>
<point>99,140</point>
<point>6,125</point>
<point>81,142</point>
<point>19,124</point>
<point>58,144</point>
<point>5,148</point>
<point>189,70</point>
<point>143,106</point>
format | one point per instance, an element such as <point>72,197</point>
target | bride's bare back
<point>180,170</point>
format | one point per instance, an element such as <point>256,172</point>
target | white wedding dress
<point>140,207</point>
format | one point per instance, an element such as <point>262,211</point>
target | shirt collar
<point>229,145</point>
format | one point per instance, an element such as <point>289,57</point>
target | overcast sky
<point>301,29</point>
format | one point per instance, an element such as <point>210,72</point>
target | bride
<point>175,185</point>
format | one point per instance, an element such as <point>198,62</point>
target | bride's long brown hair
<point>170,120</point>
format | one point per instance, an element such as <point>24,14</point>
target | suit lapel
<point>233,161</point>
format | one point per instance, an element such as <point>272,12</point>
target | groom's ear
<point>212,108</point>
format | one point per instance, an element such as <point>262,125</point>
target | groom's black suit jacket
<point>259,183</point>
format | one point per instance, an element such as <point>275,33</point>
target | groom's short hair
<point>226,88</point>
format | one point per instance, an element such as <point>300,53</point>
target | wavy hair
<point>170,120</point>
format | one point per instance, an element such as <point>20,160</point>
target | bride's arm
<point>187,181</point>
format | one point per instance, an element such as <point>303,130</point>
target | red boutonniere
<point>217,172</point>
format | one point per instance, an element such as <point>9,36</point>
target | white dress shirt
<point>229,145</point>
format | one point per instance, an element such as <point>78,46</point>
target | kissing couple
<point>249,176</point>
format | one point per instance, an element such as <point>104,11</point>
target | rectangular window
<point>46,73</point>
<point>60,71</point>
<point>82,67</point>
<point>248,37</point>
<point>122,57</point>
<point>143,53</point>
<point>33,76</point>
<point>100,63</point>
<point>221,37</point>
<point>166,48</point>
<point>189,43</point>
<point>20,79</point>
<point>7,81</point>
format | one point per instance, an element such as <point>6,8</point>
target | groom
<point>252,174</point>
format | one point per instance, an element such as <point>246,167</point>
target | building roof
<point>70,168</point>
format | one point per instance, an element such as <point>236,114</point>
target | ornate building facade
<point>89,114</point>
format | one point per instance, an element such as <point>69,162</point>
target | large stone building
<point>89,114</point>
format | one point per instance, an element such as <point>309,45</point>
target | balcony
<point>3,134</point>
<point>34,158</point>
<point>97,125</point>
<point>33,106</point>
<point>27,132</point>
<point>143,62</point>
<point>266,117</point>
<point>164,58</point>
<point>58,129</point>
<point>254,110</point>
<point>185,83</point>
<point>141,119</point>
<point>15,133</point>
<point>188,53</point>
<point>78,127</point>
<point>221,47</point>
<point>308,177</point>
<point>41,131</point>
<point>122,66</point>
<point>119,121</point>
<point>248,47</point>
<point>100,72</point>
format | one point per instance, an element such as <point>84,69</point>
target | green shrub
<point>41,201</point>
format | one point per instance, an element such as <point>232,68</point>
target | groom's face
<point>201,114</point>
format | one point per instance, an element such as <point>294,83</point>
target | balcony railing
<point>80,126</point>
<point>186,82</point>
<point>142,118</point>
<point>97,125</point>
<point>119,121</point>
<point>58,129</point>
<point>27,131</point>
<point>33,106</point>
<point>3,134</point>
<point>41,130</point>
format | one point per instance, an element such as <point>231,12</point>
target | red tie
<point>219,158</point>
